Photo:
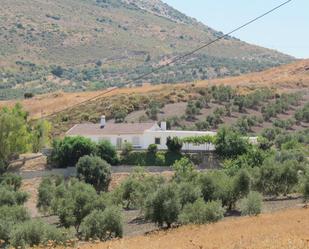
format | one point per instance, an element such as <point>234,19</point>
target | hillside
<point>286,229</point>
<point>74,45</point>
<point>290,77</point>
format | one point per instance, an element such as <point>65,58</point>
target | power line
<point>178,58</point>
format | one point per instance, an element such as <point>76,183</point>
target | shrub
<point>208,187</point>
<point>103,225</point>
<point>201,213</point>
<point>174,144</point>
<point>152,149</point>
<point>242,184</point>
<point>277,178</point>
<point>184,169</point>
<point>108,152</point>
<point>188,193</point>
<point>230,144</point>
<point>217,185</point>
<point>67,152</point>
<point>137,187</point>
<point>10,198</point>
<point>35,232</point>
<point>126,149</point>
<point>95,171</point>
<point>74,203</point>
<point>252,204</point>
<point>46,192</point>
<point>163,206</point>
<point>10,216</point>
<point>11,180</point>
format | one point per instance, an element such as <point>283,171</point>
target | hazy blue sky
<point>286,30</point>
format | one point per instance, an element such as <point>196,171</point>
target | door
<point>119,143</point>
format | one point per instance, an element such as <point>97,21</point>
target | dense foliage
<point>95,171</point>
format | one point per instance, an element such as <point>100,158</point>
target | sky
<point>286,30</point>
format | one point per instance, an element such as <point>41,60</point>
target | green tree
<point>66,152</point>
<point>163,206</point>
<point>103,225</point>
<point>107,152</point>
<point>174,144</point>
<point>230,144</point>
<point>41,135</point>
<point>184,170</point>
<point>95,171</point>
<point>126,149</point>
<point>36,232</point>
<point>11,180</point>
<point>75,202</point>
<point>9,217</point>
<point>200,212</point>
<point>252,204</point>
<point>15,137</point>
<point>188,192</point>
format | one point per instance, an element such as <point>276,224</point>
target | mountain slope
<point>101,43</point>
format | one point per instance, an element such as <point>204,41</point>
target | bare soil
<point>284,229</point>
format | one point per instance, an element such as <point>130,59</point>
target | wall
<point>149,138</point>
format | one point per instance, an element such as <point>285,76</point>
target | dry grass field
<point>285,78</point>
<point>287,229</point>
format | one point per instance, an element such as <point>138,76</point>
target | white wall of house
<point>160,138</point>
<point>137,140</point>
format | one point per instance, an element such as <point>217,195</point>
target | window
<point>158,140</point>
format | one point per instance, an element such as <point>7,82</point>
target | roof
<point>109,129</point>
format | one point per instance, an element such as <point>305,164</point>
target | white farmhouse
<point>140,135</point>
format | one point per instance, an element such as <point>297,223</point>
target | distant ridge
<point>77,45</point>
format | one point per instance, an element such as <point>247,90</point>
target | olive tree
<point>95,171</point>
<point>163,206</point>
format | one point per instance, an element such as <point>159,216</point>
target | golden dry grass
<point>286,229</point>
<point>288,77</point>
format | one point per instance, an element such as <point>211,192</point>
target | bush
<point>103,225</point>
<point>163,206</point>
<point>67,152</point>
<point>35,232</point>
<point>94,171</point>
<point>277,178</point>
<point>184,169</point>
<point>201,213</point>
<point>126,149</point>
<point>152,149</point>
<point>10,198</point>
<point>217,185</point>
<point>108,152</point>
<point>230,144</point>
<point>11,180</point>
<point>74,203</point>
<point>137,187</point>
<point>188,193</point>
<point>10,216</point>
<point>252,204</point>
<point>174,144</point>
<point>46,192</point>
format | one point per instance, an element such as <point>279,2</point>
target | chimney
<point>163,126</point>
<point>102,122</point>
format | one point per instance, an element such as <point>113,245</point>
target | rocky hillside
<point>75,45</point>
